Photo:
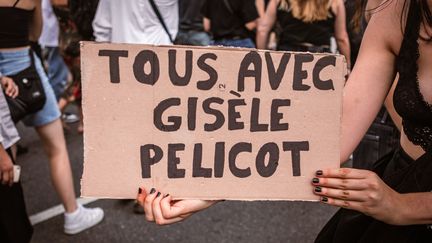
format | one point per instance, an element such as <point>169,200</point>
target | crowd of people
<point>381,202</point>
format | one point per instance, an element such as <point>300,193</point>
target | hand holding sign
<point>360,190</point>
<point>162,210</point>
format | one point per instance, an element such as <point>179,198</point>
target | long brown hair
<point>307,10</point>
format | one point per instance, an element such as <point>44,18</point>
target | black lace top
<point>408,101</point>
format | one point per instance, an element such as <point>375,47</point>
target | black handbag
<point>31,97</point>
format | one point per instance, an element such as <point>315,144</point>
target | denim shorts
<point>245,43</point>
<point>12,62</point>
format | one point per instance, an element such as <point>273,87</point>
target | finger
<point>11,176</point>
<point>342,203</point>
<point>168,215</point>
<point>16,92</point>
<point>141,196</point>
<point>351,184</point>
<point>171,209</point>
<point>5,177</point>
<point>157,212</point>
<point>9,88</point>
<point>340,194</point>
<point>343,173</point>
<point>167,209</point>
<point>148,207</point>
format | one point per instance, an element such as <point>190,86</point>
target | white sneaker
<point>82,219</point>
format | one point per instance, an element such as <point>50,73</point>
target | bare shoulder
<point>25,4</point>
<point>387,22</point>
<point>336,6</point>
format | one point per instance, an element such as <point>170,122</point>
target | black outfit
<point>15,226</point>
<point>14,26</point>
<point>191,29</point>
<point>190,15</point>
<point>408,101</point>
<point>397,170</point>
<point>297,35</point>
<point>82,12</point>
<point>228,17</point>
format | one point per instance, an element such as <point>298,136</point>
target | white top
<point>134,21</point>
<point>50,28</point>
<point>8,133</point>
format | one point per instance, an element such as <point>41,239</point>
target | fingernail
<point>318,189</point>
<point>324,199</point>
<point>158,194</point>
<point>152,191</point>
<point>315,180</point>
<point>139,190</point>
<point>319,172</point>
<point>166,195</point>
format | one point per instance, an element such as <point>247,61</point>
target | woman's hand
<point>163,210</point>
<point>10,88</point>
<point>6,168</point>
<point>359,190</point>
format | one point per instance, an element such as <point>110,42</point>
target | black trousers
<point>402,174</point>
<point>15,226</point>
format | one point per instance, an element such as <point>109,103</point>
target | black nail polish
<point>158,194</point>
<point>324,199</point>
<point>152,191</point>
<point>139,190</point>
<point>318,189</point>
<point>166,195</point>
<point>319,172</point>
<point>315,180</point>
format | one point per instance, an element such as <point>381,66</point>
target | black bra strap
<point>16,3</point>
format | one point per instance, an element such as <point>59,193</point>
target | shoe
<point>70,118</point>
<point>138,209</point>
<point>82,219</point>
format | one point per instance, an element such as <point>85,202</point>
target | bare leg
<point>54,143</point>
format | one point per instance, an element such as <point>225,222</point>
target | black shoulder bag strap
<point>159,16</point>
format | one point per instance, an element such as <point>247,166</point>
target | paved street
<point>225,222</point>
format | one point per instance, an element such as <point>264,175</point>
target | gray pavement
<point>225,222</point>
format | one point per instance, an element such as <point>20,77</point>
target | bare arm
<point>207,24</point>
<point>370,79</point>
<point>36,23</point>
<point>266,24</point>
<point>252,24</point>
<point>6,167</point>
<point>102,22</point>
<point>260,5</point>
<point>341,32</point>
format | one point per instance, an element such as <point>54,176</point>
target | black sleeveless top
<point>295,31</point>
<point>14,26</point>
<point>416,113</point>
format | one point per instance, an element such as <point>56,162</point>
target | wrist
<point>401,210</point>
<point>411,209</point>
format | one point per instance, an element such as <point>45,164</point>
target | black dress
<point>397,169</point>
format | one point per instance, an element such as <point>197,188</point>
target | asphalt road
<point>225,222</point>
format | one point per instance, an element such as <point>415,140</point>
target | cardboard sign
<point>208,123</point>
